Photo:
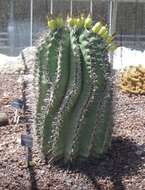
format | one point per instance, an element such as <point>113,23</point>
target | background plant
<point>133,80</point>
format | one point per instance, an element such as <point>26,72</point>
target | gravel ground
<point>123,168</point>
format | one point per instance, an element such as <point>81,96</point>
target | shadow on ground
<point>121,161</point>
<point>33,178</point>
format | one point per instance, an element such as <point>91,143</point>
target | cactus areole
<point>73,91</point>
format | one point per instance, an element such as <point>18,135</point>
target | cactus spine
<point>74,94</point>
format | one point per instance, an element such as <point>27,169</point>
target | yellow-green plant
<point>133,80</point>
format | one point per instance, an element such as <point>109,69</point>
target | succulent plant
<point>74,97</point>
<point>133,80</point>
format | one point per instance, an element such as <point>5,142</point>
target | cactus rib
<point>71,96</point>
<point>58,90</point>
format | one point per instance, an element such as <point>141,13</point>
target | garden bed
<point>122,168</point>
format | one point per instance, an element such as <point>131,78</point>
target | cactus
<point>74,98</point>
<point>133,80</point>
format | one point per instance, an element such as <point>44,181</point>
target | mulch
<point>123,168</point>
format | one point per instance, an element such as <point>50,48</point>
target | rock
<point>3,119</point>
<point>11,65</point>
<point>130,57</point>
<point>139,152</point>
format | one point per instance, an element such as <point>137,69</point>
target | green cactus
<point>74,99</point>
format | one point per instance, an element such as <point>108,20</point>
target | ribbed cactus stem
<point>102,134</point>
<point>72,148</point>
<point>44,54</point>
<point>43,80</point>
<point>58,90</point>
<point>90,113</point>
<point>61,121</point>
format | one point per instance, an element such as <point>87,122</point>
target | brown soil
<point>122,168</point>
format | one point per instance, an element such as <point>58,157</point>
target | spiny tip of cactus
<point>59,22</point>
<point>52,24</point>
<point>70,21</point>
<point>80,22</point>
<point>97,27</point>
<point>76,22</point>
<point>88,22</point>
